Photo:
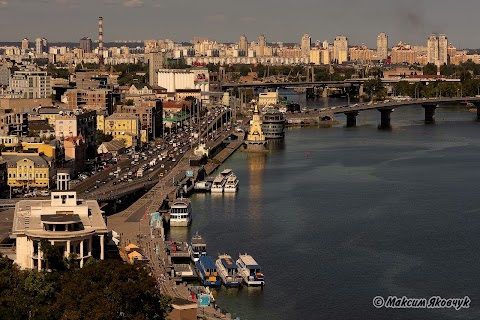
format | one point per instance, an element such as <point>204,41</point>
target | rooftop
<point>249,261</point>
<point>62,207</point>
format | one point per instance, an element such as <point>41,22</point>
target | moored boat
<point>231,185</point>
<point>228,271</point>
<point>180,213</point>
<point>218,183</point>
<point>207,271</point>
<point>197,247</point>
<point>250,271</point>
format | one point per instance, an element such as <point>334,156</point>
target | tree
<point>375,88</point>
<point>430,69</point>
<point>102,137</point>
<point>111,290</point>
<point>100,290</point>
<point>53,256</point>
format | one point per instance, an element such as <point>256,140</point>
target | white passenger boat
<point>218,183</point>
<point>228,271</point>
<point>197,247</point>
<point>250,271</point>
<point>231,185</point>
<point>180,213</point>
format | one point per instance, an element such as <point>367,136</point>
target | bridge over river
<point>385,108</point>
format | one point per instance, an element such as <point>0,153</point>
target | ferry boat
<point>197,247</point>
<point>218,183</point>
<point>180,213</point>
<point>207,271</point>
<point>228,271</point>
<point>273,125</point>
<point>250,271</point>
<point>231,185</point>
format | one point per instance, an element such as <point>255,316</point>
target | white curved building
<point>75,225</point>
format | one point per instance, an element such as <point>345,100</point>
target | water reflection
<point>179,233</point>
<point>256,167</point>
<point>276,144</point>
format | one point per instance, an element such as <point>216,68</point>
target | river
<point>337,216</point>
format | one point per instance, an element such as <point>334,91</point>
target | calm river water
<point>338,216</point>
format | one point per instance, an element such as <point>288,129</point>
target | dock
<point>133,225</point>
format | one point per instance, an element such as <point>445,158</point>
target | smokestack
<point>100,41</point>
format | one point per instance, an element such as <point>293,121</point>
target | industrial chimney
<point>100,41</point>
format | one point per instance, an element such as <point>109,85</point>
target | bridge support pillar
<point>351,118</point>
<point>477,105</point>
<point>385,118</point>
<point>429,113</point>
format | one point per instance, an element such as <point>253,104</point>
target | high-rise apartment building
<point>44,44</point>
<point>306,44</point>
<point>86,44</point>
<point>442,50</point>
<point>25,43</point>
<point>243,44</point>
<point>437,49</point>
<point>38,46</point>
<point>432,49</point>
<point>31,84</point>
<point>382,46</point>
<point>156,60</point>
<point>41,46</point>
<point>262,42</point>
<point>340,49</point>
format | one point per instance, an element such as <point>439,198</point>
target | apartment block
<point>31,84</point>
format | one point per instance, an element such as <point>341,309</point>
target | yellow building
<point>49,113</point>
<point>27,170</point>
<point>122,125</point>
<point>101,121</point>
<point>40,147</point>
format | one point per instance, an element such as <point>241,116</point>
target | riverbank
<point>134,227</point>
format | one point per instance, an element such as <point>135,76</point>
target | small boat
<point>228,271</point>
<point>197,247</point>
<point>232,184</point>
<point>207,271</point>
<point>180,213</point>
<point>250,271</point>
<point>218,183</point>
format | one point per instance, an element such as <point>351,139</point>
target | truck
<point>140,173</point>
<point>153,162</point>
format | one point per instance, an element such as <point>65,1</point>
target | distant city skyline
<point>409,21</point>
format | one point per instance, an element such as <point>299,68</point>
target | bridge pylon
<point>430,112</point>
<point>385,123</point>
<point>351,118</point>
<point>477,105</point>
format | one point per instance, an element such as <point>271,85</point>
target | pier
<point>133,224</point>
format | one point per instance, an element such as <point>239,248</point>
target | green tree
<point>100,290</point>
<point>53,255</point>
<point>111,290</point>
<point>403,88</point>
<point>374,87</point>
<point>102,137</point>
<point>430,69</point>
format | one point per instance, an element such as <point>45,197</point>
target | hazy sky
<point>225,20</point>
